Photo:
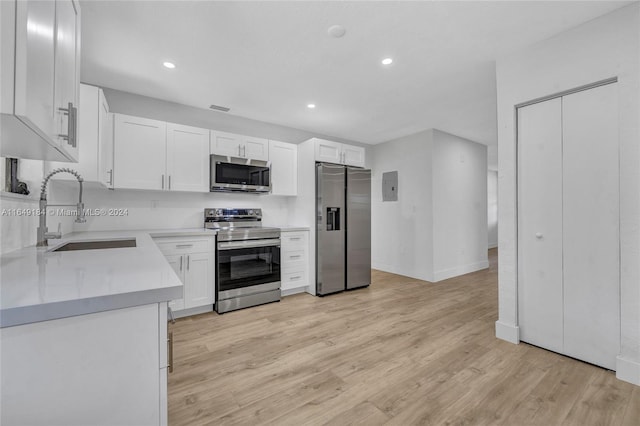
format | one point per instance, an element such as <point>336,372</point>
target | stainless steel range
<point>247,257</point>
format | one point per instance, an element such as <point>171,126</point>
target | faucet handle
<point>54,235</point>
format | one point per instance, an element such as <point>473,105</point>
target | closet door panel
<point>591,225</point>
<point>540,224</point>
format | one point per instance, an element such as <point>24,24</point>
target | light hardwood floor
<point>400,352</point>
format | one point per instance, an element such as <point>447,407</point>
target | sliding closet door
<point>591,225</point>
<point>540,224</point>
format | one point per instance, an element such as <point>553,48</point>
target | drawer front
<point>293,280</point>
<point>168,247</point>
<point>291,240</point>
<point>294,260</point>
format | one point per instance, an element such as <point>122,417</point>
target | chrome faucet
<point>43,234</point>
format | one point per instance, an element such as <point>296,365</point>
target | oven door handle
<point>230,245</point>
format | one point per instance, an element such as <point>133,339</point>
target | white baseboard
<point>290,291</point>
<point>508,332</point>
<point>193,311</point>
<point>628,370</point>
<point>460,270</point>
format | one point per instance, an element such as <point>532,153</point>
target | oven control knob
<point>250,212</point>
<point>218,212</point>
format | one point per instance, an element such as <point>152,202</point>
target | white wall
<point>602,48</point>
<point>438,227</point>
<point>492,208</point>
<point>459,167</point>
<point>402,239</point>
<point>167,210</point>
<point>20,231</point>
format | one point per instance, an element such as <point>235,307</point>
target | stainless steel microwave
<point>230,174</point>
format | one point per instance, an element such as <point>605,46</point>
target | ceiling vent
<point>219,108</point>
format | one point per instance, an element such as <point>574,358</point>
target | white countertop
<point>38,285</point>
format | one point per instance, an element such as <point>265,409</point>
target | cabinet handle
<point>162,181</point>
<point>71,112</point>
<point>180,263</point>
<point>73,126</point>
<point>183,245</point>
<point>169,181</point>
<point>294,239</point>
<point>297,277</point>
<point>188,261</point>
<point>239,148</point>
<point>170,343</point>
<point>296,256</point>
<point>110,171</point>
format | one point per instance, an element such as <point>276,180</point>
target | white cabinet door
<point>88,136</point>
<point>353,155</point>
<point>591,224</point>
<point>284,168</point>
<point>74,371</point>
<point>255,148</point>
<point>67,69</point>
<point>540,224</point>
<point>198,281</point>
<point>233,145</point>
<point>328,151</point>
<point>139,153</point>
<point>105,142</point>
<point>177,263</point>
<point>95,159</point>
<point>187,158</point>
<point>226,144</point>
<point>34,64</point>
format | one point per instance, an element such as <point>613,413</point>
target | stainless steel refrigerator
<point>343,239</point>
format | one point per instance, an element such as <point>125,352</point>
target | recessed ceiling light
<point>311,106</point>
<point>387,61</point>
<point>336,31</point>
<point>169,65</point>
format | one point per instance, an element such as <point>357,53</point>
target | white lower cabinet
<point>192,260</point>
<point>294,254</point>
<point>103,368</point>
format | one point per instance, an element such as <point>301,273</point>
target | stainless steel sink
<point>95,245</point>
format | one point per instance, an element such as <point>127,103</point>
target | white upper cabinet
<point>284,168</point>
<point>353,155</point>
<point>339,153</point>
<point>328,151</point>
<point>151,154</point>
<point>105,141</point>
<point>255,148</point>
<point>232,145</point>
<point>95,160</point>
<point>40,50</point>
<point>187,158</point>
<point>139,153</point>
<point>67,74</point>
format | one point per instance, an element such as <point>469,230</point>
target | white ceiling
<point>267,60</point>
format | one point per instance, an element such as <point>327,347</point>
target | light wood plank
<point>400,352</point>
